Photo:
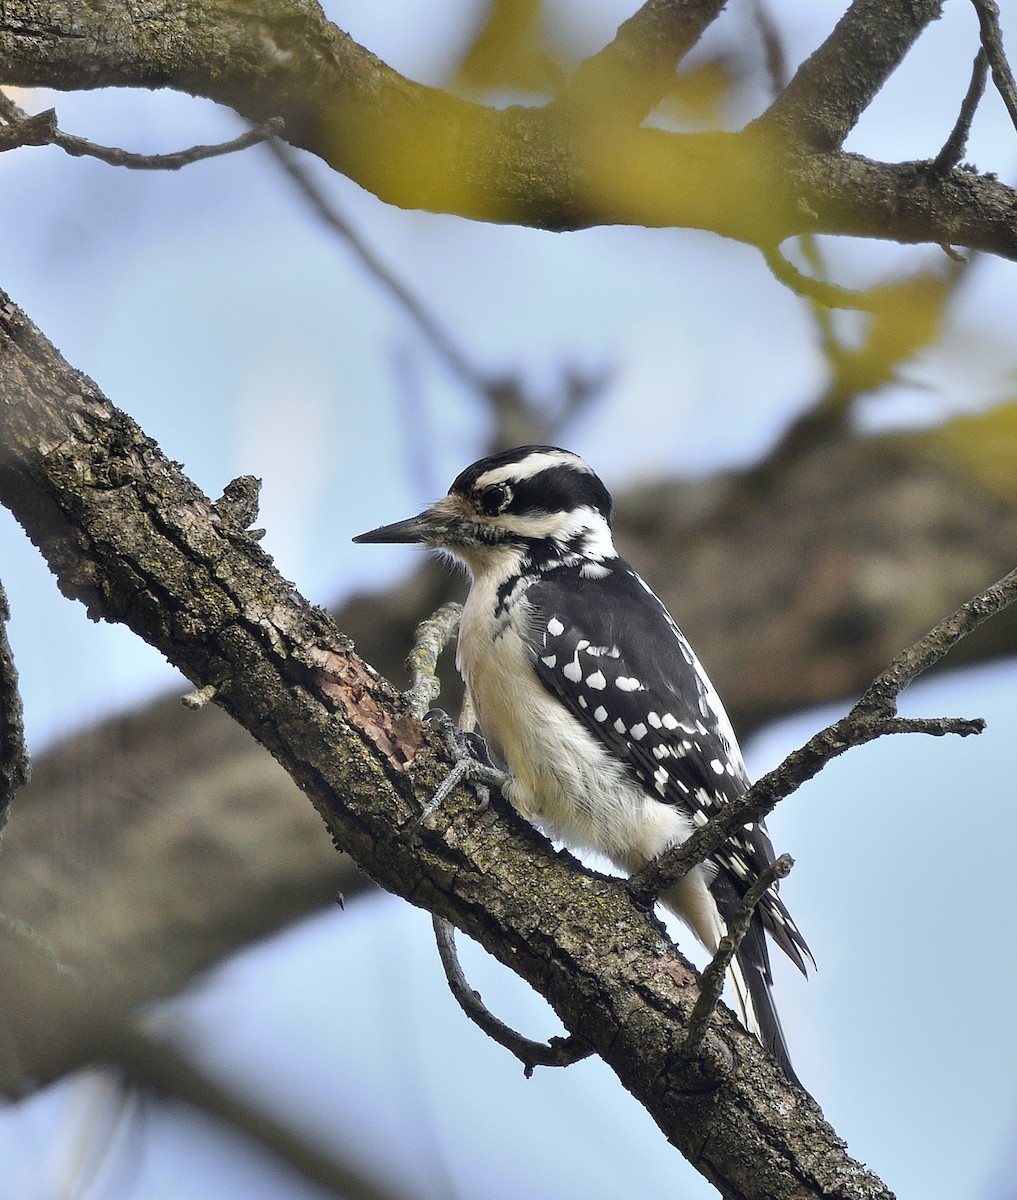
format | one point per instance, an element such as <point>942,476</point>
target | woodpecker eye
<point>494,499</point>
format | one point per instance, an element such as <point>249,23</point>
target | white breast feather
<point>563,778</point>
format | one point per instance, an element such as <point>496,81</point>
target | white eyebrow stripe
<point>532,464</point>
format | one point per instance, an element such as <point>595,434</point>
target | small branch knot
<point>238,504</point>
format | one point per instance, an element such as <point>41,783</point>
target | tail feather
<point>706,910</point>
<point>742,994</point>
<point>765,1022</point>
<point>753,979</point>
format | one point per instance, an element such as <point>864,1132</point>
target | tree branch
<point>156,1066</point>
<point>419,147</point>
<point>631,75</point>
<point>126,533</point>
<point>711,983</point>
<point>955,145</point>
<point>879,700</point>
<point>558,1052</point>
<point>79,147</point>
<point>433,636</point>
<point>838,81</point>
<point>992,45</point>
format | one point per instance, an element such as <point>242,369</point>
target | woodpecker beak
<point>415,529</point>
<point>439,525</point>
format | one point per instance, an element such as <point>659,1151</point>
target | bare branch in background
<point>328,211</point>
<point>517,417</point>
<point>773,46</point>
<point>828,93</point>
<point>546,167</point>
<point>629,77</point>
<point>150,1065</point>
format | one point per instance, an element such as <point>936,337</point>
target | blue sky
<point>215,310</point>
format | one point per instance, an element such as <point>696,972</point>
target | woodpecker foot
<point>473,765</point>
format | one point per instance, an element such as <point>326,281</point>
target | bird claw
<point>473,765</point>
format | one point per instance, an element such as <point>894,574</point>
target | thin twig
<point>992,44</point>
<point>880,697</point>
<point>711,982</point>
<point>833,351</point>
<point>558,1052</point>
<point>873,716</point>
<point>78,147</point>
<point>517,417</point>
<point>956,143</point>
<point>773,47</point>
<point>820,292</point>
<point>777,69</point>
<point>42,130</point>
<point>422,663</point>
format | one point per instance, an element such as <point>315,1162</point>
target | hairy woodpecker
<point>589,695</point>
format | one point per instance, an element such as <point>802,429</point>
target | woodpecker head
<point>537,503</point>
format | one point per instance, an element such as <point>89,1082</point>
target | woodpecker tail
<point>754,963</point>
<point>706,910</point>
<point>750,980</point>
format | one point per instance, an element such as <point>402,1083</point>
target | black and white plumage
<point>589,695</point>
